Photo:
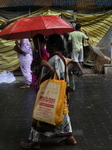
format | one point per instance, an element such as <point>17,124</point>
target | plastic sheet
<point>7,77</point>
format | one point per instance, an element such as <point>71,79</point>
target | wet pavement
<point>90,112</point>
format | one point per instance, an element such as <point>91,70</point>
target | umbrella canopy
<point>28,27</point>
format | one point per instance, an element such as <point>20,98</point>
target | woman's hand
<point>51,71</point>
<point>17,43</point>
<point>47,64</point>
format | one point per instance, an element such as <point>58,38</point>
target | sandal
<point>69,141</point>
<point>30,144</point>
<point>25,86</point>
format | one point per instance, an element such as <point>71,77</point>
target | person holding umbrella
<point>39,54</point>
<point>41,131</point>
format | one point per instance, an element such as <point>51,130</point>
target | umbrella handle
<point>39,48</point>
<point>16,42</point>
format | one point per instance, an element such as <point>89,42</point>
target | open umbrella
<point>30,26</point>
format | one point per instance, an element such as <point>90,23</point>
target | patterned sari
<point>36,66</point>
<point>40,131</point>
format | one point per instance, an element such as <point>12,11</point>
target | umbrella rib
<point>43,21</point>
<point>13,27</point>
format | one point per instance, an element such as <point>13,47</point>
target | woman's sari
<point>36,68</point>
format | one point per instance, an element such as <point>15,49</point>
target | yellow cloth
<point>8,57</point>
<point>68,60</point>
<point>96,25</point>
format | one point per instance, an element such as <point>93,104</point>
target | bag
<point>50,101</point>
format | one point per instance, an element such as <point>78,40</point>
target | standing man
<point>77,37</point>
<point>24,51</point>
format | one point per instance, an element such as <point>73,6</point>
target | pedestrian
<point>77,37</point>
<point>40,130</point>
<point>40,53</point>
<point>24,50</point>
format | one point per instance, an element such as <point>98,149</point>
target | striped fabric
<point>8,57</point>
<point>96,25</point>
<point>2,20</point>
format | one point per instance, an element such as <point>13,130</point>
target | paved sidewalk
<point>90,112</point>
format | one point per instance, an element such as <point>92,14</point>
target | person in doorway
<point>24,50</point>
<point>77,37</point>
<point>40,130</point>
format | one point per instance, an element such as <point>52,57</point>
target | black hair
<point>78,26</point>
<point>40,37</point>
<point>56,40</point>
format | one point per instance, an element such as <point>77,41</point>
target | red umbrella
<point>30,26</point>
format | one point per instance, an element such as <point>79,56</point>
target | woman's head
<point>39,38</point>
<point>55,43</point>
